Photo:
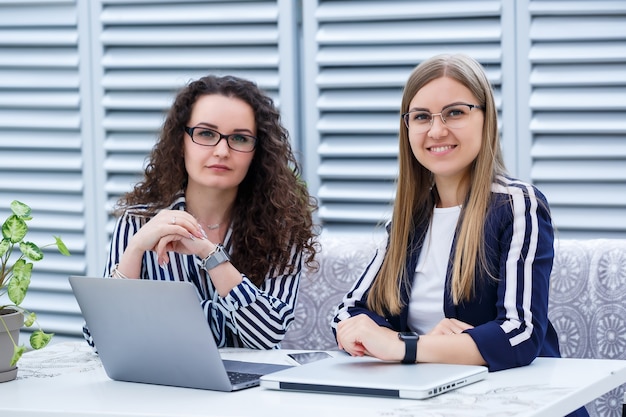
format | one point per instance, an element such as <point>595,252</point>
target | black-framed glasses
<point>454,116</point>
<point>209,137</point>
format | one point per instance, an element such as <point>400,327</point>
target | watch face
<point>408,335</point>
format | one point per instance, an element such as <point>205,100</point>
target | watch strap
<point>410,346</point>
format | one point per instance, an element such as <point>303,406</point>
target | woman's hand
<point>450,326</point>
<point>360,335</point>
<point>169,230</point>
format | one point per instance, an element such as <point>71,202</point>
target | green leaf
<point>14,229</point>
<point>18,286</point>
<point>5,244</point>
<point>62,248</point>
<point>31,251</point>
<point>30,319</point>
<point>39,339</point>
<point>20,209</point>
<point>17,354</point>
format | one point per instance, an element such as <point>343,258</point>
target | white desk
<point>67,379</point>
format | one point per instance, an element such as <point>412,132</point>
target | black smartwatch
<point>410,346</point>
<point>215,258</point>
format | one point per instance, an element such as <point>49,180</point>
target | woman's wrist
<point>207,250</point>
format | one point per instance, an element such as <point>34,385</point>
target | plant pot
<point>14,320</point>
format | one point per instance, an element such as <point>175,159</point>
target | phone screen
<point>308,357</point>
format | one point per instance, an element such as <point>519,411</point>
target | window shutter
<point>363,52</point>
<point>150,50</point>
<point>578,108</point>
<point>84,87</point>
<point>41,136</point>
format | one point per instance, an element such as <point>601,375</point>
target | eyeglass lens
<point>454,117</point>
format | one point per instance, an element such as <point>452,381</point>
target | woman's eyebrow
<point>214,127</point>
<point>244,130</point>
<point>419,109</point>
<point>456,103</point>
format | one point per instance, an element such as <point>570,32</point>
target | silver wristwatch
<point>216,257</point>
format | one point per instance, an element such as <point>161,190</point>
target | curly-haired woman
<point>221,205</point>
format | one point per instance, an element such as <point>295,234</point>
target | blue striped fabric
<point>248,316</point>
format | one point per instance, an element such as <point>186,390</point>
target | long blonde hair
<point>416,197</point>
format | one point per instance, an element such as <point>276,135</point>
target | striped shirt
<point>248,316</point>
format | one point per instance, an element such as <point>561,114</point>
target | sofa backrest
<point>588,307</point>
<point>341,262</point>
<point>587,300</point>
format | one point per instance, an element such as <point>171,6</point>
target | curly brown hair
<point>273,210</point>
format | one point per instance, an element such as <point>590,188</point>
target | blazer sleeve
<point>355,301</point>
<point>526,253</point>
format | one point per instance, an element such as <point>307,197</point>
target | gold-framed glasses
<point>454,116</point>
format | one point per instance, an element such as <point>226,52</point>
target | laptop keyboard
<point>240,377</point>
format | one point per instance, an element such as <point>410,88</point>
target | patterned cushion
<point>587,306</point>
<point>341,263</point>
<point>586,302</point>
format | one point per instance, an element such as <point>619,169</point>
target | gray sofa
<point>587,300</point>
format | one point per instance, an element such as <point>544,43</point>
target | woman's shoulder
<point>505,188</point>
<point>149,209</point>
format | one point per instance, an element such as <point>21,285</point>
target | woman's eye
<point>454,112</point>
<point>422,116</point>
<point>208,134</point>
<point>240,138</point>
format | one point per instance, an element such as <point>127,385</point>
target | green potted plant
<point>15,274</point>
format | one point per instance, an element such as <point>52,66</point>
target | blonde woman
<point>464,276</point>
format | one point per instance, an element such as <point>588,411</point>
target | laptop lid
<point>370,376</point>
<point>156,332</point>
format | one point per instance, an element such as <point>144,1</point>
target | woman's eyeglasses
<point>209,137</point>
<point>454,116</point>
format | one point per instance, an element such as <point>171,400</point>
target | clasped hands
<point>175,231</point>
<point>360,336</point>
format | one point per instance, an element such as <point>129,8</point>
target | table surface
<point>68,379</point>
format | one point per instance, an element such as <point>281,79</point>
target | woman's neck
<point>451,193</point>
<point>212,208</point>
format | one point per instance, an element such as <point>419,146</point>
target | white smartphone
<point>308,357</point>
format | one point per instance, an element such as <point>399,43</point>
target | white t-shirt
<point>426,303</point>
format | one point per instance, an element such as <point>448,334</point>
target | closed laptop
<point>369,376</point>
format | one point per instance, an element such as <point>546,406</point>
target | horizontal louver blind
<point>151,49</point>
<point>365,52</point>
<point>578,104</point>
<point>41,141</point>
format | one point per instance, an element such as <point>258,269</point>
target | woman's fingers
<point>178,222</point>
<point>450,326</point>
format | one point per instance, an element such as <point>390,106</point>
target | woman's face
<point>218,167</point>
<point>444,149</point>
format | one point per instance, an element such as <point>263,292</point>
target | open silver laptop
<point>156,332</point>
<point>369,376</point>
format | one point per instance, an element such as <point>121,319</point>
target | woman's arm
<point>260,317</point>
<point>126,227</point>
<point>516,336</point>
<point>355,301</point>
<point>360,335</point>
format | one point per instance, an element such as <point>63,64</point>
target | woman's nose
<point>437,127</point>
